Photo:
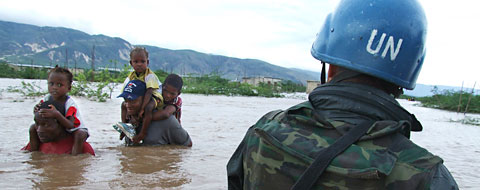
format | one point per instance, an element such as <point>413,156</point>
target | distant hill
<point>26,44</point>
<point>316,74</point>
<point>189,61</point>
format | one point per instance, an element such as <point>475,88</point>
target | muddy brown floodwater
<point>216,124</point>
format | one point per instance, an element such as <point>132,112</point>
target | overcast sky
<point>280,32</point>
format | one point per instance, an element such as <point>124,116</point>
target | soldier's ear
<point>332,71</point>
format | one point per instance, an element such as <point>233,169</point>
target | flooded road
<point>216,125</point>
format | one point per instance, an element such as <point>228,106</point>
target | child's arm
<point>164,113</point>
<point>147,119</point>
<point>146,100</point>
<point>67,123</point>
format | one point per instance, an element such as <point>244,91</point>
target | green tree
<point>6,71</point>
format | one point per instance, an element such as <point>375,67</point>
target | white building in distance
<point>257,80</point>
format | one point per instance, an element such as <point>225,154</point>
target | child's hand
<point>37,107</point>
<point>140,114</point>
<point>49,113</point>
<point>137,138</point>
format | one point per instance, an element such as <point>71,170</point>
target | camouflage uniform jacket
<point>282,144</point>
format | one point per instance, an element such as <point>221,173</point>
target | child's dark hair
<point>137,50</point>
<point>175,81</point>
<point>64,71</point>
<point>59,106</point>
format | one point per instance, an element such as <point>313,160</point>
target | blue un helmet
<point>381,38</point>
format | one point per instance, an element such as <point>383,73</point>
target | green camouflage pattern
<point>282,144</point>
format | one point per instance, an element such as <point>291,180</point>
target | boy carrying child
<point>139,61</point>
<point>158,126</point>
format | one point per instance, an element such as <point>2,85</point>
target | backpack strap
<point>324,157</point>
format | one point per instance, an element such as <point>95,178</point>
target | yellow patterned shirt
<point>151,80</point>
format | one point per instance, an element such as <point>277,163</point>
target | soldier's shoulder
<point>304,108</point>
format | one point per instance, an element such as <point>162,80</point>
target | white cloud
<point>451,43</point>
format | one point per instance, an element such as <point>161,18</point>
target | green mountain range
<point>29,44</point>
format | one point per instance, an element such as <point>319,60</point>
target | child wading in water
<point>156,108</point>
<point>59,84</point>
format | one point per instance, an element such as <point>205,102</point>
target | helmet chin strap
<point>323,75</point>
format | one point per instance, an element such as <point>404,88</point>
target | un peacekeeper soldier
<point>375,48</point>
